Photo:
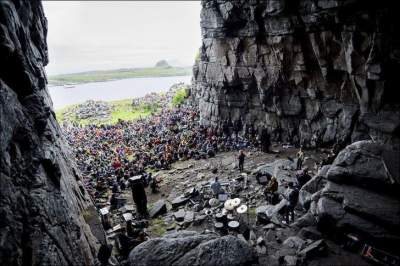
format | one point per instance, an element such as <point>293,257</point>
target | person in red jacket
<point>116,164</point>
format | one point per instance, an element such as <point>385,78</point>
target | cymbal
<point>233,224</point>
<point>213,202</point>
<point>236,202</point>
<point>242,209</point>
<point>229,205</point>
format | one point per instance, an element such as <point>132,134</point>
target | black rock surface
<point>361,195</point>
<point>192,248</point>
<point>44,211</point>
<point>311,72</point>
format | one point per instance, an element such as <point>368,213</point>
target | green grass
<point>106,75</point>
<point>252,213</point>
<point>121,110</point>
<point>158,227</point>
<point>180,96</point>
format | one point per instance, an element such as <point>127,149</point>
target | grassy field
<point>121,109</point>
<point>106,75</point>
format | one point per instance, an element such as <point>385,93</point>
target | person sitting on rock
<point>114,202</point>
<point>271,189</point>
<point>303,177</point>
<point>216,187</point>
<point>292,196</point>
<point>154,185</point>
<point>126,243</point>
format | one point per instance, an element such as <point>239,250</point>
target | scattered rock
<point>92,110</point>
<point>261,249</point>
<point>317,248</point>
<point>180,215</point>
<point>158,208</point>
<point>179,201</point>
<point>260,241</point>
<point>290,260</point>
<point>294,242</point>
<point>269,226</point>
<point>199,219</point>
<point>309,233</point>
<point>189,217</point>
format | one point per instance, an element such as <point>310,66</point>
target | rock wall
<point>43,209</point>
<point>360,194</point>
<point>311,71</point>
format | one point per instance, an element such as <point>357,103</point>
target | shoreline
<point>116,74</point>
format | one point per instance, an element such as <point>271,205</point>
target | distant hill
<point>162,63</point>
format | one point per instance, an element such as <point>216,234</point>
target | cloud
<point>106,34</point>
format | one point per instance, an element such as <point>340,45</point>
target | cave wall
<point>312,72</point>
<point>44,209</point>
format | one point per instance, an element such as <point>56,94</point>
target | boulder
<point>317,248</point>
<point>311,187</point>
<point>374,206</point>
<point>290,260</point>
<point>192,248</point>
<point>309,233</point>
<point>294,242</point>
<point>180,215</point>
<point>282,169</point>
<point>360,194</point>
<point>158,208</point>
<point>363,164</point>
<point>307,219</point>
<point>179,201</point>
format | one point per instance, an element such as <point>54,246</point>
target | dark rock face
<point>312,187</point>
<point>191,248</point>
<point>361,194</point>
<point>42,207</point>
<point>311,72</point>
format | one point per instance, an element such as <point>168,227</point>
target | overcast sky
<point>107,35</point>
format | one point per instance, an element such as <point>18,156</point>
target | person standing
<point>271,189</point>
<point>139,196</point>
<point>300,159</point>
<point>265,141</point>
<point>292,196</point>
<point>241,157</point>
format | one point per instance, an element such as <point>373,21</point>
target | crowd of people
<point>108,155</point>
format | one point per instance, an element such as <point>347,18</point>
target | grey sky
<point>109,34</point>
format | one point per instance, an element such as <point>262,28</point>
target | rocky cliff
<point>358,194</point>
<point>312,72</point>
<point>44,211</point>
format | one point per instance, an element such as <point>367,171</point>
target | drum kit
<point>227,218</point>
